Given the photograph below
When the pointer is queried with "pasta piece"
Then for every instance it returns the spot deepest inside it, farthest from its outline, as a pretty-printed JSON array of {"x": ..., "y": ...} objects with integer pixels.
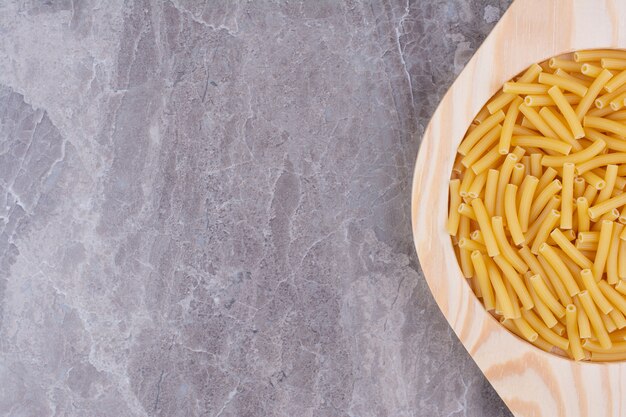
[
  {"x": 544, "y": 231},
  {"x": 570, "y": 249},
  {"x": 535, "y": 266},
  {"x": 618, "y": 102},
  {"x": 535, "y": 165},
  {"x": 464, "y": 255},
  {"x": 567, "y": 111},
  {"x": 618, "y": 318},
  {"x": 477, "y": 185},
  {"x": 546, "y": 296},
  {"x": 595, "y": 320},
  {"x": 471, "y": 245},
  {"x": 612, "y": 260},
  {"x": 473, "y": 137},
  {"x": 579, "y": 187},
  {"x": 572, "y": 333},
  {"x": 467, "y": 211},
  {"x": 621, "y": 287},
  {"x": 558, "y": 285},
  {"x": 594, "y": 55},
  {"x": 505, "y": 98},
  {"x": 616, "y": 82},
  {"x": 608, "y": 322},
  {"x": 567, "y": 195},
  {"x": 537, "y": 120},
  {"x": 565, "y": 83},
  {"x": 483, "y": 280},
  {"x": 612, "y": 203},
  {"x": 519, "y": 170},
  {"x": 603, "y": 249},
  {"x": 539, "y": 100},
  {"x": 525, "y": 329},
  {"x": 487, "y": 161},
  {"x": 533, "y": 228},
  {"x": 543, "y": 197},
  {"x": 510, "y": 211},
  {"x": 592, "y": 92},
  {"x": 542, "y": 142},
  {"x": 590, "y": 70},
  {"x": 544, "y": 331},
  {"x": 621, "y": 262},
  {"x": 610, "y": 177},
  {"x": 455, "y": 200},
  {"x": 584, "y": 328},
  {"x": 507, "y": 126},
  {"x": 605, "y": 125},
  {"x": 524, "y": 88},
  {"x": 490, "y": 191},
  {"x": 505, "y": 248},
  {"x": 565, "y": 64},
  {"x": 613, "y": 296},
  {"x": 559, "y": 128},
  {"x": 503, "y": 179},
  {"x": 544, "y": 312},
  {"x": 481, "y": 146},
  {"x": 500, "y": 290},
  {"x": 481, "y": 116},
  {"x": 575, "y": 158},
  {"x": 593, "y": 180},
  {"x": 485, "y": 226},
  {"x": 546, "y": 178},
  {"x": 527, "y": 192},
  {"x": 589, "y": 237},
  {"x": 516, "y": 282},
  {"x": 613, "y": 63},
  {"x": 590, "y": 285},
  {"x": 561, "y": 269}
]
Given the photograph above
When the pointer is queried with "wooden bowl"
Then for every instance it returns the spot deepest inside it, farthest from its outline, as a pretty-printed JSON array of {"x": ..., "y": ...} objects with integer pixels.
[{"x": 530, "y": 381}]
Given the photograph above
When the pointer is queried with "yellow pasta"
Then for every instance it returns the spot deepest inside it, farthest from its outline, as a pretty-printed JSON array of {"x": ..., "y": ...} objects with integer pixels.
[
  {"x": 575, "y": 158},
  {"x": 503, "y": 179},
  {"x": 559, "y": 128},
  {"x": 516, "y": 282},
  {"x": 455, "y": 199},
  {"x": 571, "y": 251},
  {"x": 612, "y": 275},
  {"x": 485, "y": 225},
  {"x": 482, "y": 146},
  {"x": 610, "y": 176},
  {"x": 491, "y": 191},
  {"x": 564, "y": 83},
  {"x": 590, "y": 285},
  {"x": 605, "y": 125},
  {"x": 595, "y": 320},
  {"x": 505, "y": 248},
  {"x": 567, "y": 195},
  {"x": 537, "y": 205},
  {"x": 567, "y": 111},
  {"x": 603, "y": 249},
  {"x": 546, "y": 296},
  {"x": 561, "y": 269},
  {"x": 592, "y": 92},
  {"x": 507, "y": 126},
  {"x": 584, "y": 328},
  {"x": 534, "y": 117},
  {"x": 613, "y": 63},
  {"x": 510, "y": 210},
  {"x": 572, "y": 333},
  {"x": 480, "y": 270},
  {"x": 474, "y": 136},
  {"x": 527, "y": 192}
]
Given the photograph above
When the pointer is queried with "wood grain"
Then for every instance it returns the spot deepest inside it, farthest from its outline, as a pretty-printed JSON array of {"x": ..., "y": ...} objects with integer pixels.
[{"x": 530, "y": 381}]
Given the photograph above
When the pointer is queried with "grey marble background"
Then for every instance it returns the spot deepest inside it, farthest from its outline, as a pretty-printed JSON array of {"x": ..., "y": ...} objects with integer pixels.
[{"x": 204, "y": 208}]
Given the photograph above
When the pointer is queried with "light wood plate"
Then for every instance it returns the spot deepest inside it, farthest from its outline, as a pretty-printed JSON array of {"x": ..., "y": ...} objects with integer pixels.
[{"x": 531, "y": 382}]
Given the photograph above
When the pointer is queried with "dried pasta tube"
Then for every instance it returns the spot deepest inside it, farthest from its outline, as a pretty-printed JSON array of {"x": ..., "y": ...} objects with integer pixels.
[
  {"x": 483, "y": 280},
  {"x": 572, "y": 332},
  {"x": 595, "y": 320},
  {"x": 603, "y": 249},
  {"x": 510, "y": 211},
  {"x": 567, "y": 195}
]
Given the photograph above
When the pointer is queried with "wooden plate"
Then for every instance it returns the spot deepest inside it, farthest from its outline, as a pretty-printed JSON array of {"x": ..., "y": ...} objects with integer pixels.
[{"x": 531, "y": 382}]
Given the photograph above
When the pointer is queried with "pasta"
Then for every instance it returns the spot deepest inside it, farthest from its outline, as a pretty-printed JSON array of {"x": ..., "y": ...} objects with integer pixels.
[{"x": 537, "y": 205}]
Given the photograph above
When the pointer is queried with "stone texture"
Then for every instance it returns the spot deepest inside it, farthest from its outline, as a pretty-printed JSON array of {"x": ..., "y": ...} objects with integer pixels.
[{"x": 205, "y": 208}]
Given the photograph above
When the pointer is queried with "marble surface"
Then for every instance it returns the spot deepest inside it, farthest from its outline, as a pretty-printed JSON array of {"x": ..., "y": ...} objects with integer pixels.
[{"x": 205, "y": 208}]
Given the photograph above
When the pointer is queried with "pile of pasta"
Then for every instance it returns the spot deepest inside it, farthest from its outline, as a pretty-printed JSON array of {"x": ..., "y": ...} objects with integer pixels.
[{"x": 538, "y": 205}]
